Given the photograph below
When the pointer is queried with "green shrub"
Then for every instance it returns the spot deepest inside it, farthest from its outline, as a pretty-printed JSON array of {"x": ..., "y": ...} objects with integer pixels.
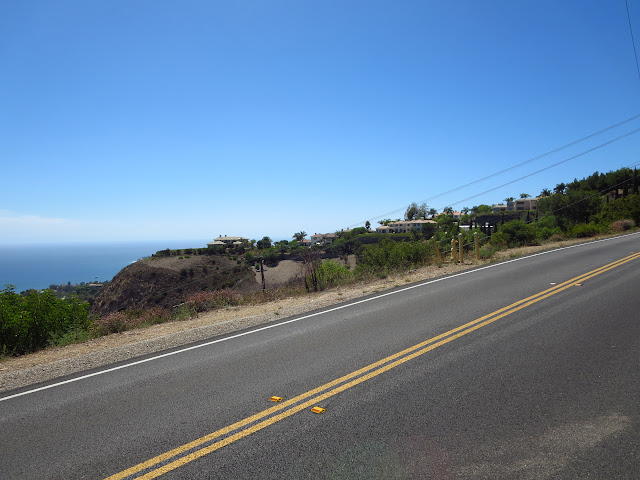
[
  {"x": 331, "y": 274},
  {"x": 584, "y": 230},
  {"x": 515, "y": 233},
  {"x": 487, "y": 251},
  {"x": 76, "y": 335},
  {"x": 622, "y": 209},
  {"x": 544, "y": 233},
  {"x": 31, "y": 322},
  {"x": 389, "y": 255}
]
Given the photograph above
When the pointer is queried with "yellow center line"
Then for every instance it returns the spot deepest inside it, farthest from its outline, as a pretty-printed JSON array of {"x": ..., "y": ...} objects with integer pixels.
[{"x": 373, "y": 370}]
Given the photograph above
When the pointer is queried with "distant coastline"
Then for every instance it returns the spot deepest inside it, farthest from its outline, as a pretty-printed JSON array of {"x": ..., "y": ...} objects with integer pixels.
[{"x": 40, "y": 265}]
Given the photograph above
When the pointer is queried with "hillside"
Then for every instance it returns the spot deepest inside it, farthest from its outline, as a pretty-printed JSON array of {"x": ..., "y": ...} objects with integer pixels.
[{"x": 167, "y": 281}]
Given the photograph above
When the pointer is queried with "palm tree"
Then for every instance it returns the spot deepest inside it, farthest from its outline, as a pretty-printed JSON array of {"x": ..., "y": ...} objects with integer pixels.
[
  {"x": 299, "y": 236},
  {"x": 433, "y": 212},
  {"x": 560, "y": 188},
  {"x": 509, "y": 199},
  {"x": 545, "y": 192},
  {"x": 525, "y": 195},
  {"x": 447, "y": 210}
]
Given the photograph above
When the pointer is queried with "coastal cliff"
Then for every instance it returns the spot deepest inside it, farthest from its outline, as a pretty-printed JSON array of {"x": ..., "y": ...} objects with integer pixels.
[{"x": 167, "y": 281}]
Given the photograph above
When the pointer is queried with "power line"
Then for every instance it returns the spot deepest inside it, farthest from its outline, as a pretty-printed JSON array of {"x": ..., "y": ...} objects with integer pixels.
[
  {"x": 555, "y": 150},
  {"x": 552, "y": 166},
  {"x": 596, "y": 194},
  {"x": 534, "y": 158},
  {"x": 633, "y": 42},
  {"x": 599, "y": 193}
]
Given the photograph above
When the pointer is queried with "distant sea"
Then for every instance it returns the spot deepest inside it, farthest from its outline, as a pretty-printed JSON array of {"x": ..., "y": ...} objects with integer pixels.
[{"x": 38, "y": 266}]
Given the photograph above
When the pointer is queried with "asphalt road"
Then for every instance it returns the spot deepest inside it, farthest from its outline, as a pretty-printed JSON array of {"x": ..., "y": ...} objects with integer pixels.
[{"x": 546, "y": 388}]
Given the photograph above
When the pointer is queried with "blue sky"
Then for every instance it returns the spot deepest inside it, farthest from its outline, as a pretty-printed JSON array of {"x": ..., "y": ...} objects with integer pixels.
[{"x": 162, "y": 120}]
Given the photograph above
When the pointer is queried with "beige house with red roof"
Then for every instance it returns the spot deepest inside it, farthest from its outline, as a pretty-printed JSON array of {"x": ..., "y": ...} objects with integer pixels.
[
  {"x": 404, "y": 226},
  {"x": 323, "y": 238},
  {"x": 224, "y": 242}
]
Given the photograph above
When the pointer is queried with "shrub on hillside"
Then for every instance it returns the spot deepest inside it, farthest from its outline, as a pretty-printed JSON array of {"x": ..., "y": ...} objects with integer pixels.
[
  {"x": 331, "y": 274},
  {"x": 30, "y": 322},
  {"x": 487, "y": 251},
  {"x": 622, "y": 209},
  {"x": 546, "y": 227},
  {"x": 545, "y": 233},
  {"x": 622, "y": 225},
  {"x": 203, "y": 301},
  {"x": 557, "y": 237},
  {"x": 117, "y": 322},
  {"x": 393, "y": 256},
  {"x": 515, "y": 233},
  {"x": 584, "y": 230}
]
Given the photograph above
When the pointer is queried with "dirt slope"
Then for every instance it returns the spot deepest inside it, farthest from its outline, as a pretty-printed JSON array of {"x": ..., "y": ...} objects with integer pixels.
[{"x": 165, "y": 282}]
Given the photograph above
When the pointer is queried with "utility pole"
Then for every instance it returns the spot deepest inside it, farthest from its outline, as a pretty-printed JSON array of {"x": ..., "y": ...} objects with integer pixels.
[{"x": 264, "y": 285}]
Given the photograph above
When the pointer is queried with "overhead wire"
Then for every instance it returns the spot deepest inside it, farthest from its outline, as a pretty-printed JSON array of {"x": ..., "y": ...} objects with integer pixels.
[
  {"x": 546, "y": 154},
  {"x": 598, "y": 193},
  {"x": 633, "y": 42},
  {"x": 551, "y": 166}
]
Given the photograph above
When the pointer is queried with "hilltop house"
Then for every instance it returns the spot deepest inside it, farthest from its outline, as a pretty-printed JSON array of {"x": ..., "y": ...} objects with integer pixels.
[
  {"x": 223, "y": 242},
  {"x": 500, "y": 207},
  {"x": 323, "y": 238},
  {"x": 516, "y": 205},
  {"x": 526, "y": 203},
  {"x": 404, "y": 226}
]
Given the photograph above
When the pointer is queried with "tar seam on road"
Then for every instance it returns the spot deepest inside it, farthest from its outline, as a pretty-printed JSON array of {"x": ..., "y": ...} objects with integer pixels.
[
  {"x": 207, "y": 444},
  {"x": 297, "y": 319}
]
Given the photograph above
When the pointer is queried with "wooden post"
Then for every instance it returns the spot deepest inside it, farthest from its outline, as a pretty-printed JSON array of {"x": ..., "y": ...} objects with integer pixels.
[
  {"x": 461, "y": 248},
  {"x": 264, "y": 285},
  {"x": 454, "y": 256}
]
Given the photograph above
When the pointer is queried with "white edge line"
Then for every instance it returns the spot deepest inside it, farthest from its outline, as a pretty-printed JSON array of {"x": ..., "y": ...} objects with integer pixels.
[{"x": 194, "y": 347}]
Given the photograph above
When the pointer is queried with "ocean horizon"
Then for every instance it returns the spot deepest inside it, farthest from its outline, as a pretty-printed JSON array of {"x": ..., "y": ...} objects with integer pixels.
[{"x": 38, "y": 266}]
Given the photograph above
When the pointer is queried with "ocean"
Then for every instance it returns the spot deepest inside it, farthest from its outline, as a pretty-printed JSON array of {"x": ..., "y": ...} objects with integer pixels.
[{"x": 38, "y": 266}]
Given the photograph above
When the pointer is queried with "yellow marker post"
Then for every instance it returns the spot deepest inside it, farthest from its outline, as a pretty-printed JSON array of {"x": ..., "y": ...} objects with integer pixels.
[
  {"x": 461, "y": 248},
  {"x": 477, "y": 243},
  {"x": 435, "y": 249}
]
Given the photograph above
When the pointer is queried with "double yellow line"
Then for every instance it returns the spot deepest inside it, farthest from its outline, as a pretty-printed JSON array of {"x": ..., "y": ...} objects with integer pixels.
[{"x": 202, "y": 446}]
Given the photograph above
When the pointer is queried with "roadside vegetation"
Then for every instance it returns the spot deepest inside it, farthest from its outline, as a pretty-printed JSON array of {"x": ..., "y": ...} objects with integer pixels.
[{"x": 599, "y": 204}]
